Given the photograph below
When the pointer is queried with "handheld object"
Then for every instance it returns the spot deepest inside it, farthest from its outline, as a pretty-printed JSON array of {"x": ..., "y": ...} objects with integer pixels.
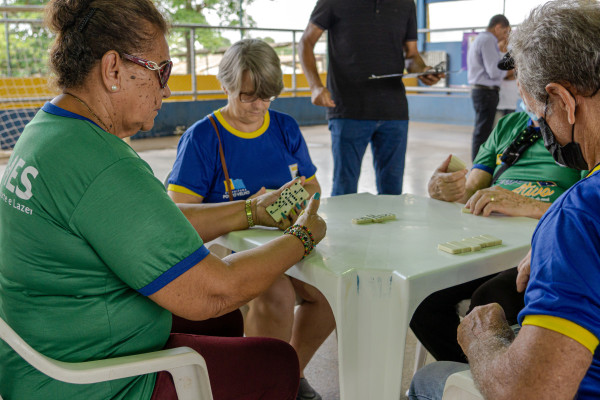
[
  {"x": 288, "y": 199},
  {"x": 438, "y": 69},
  {"x": 456, "y": 164}
]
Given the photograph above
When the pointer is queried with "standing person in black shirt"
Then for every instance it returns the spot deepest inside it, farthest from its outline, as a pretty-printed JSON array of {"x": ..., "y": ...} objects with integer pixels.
[{"x": 365, "y": 37}]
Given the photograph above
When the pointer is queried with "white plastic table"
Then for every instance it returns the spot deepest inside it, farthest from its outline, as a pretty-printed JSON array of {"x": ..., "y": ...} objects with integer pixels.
[{"x": 374, "y": 276}]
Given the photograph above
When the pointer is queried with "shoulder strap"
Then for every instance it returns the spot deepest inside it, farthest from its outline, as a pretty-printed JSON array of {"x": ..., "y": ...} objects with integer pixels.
[
  {"x": 227, "y": 180},
  {"x": 516, "y": 149}
]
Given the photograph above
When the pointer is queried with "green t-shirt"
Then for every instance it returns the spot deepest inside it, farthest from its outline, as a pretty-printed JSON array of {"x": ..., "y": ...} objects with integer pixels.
[
  {"x": 535, "y": 174},
  {"x": 87, "y": 232}
]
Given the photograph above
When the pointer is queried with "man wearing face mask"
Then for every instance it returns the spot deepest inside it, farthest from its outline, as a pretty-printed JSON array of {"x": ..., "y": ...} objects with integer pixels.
[
  {"x": 555, "y": 355},
  {"x": 569, "y": 155}
]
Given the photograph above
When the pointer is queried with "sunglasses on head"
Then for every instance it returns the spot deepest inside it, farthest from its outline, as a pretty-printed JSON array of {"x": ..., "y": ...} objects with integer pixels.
[{"x": 163, "y": 70}]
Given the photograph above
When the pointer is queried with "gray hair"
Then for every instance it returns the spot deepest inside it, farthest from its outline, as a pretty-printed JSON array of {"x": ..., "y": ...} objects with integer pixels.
[
  {"x": 86, "y": 30},
  {"x": 261, "y": 62},
  {"x": 558, "y": 43}
]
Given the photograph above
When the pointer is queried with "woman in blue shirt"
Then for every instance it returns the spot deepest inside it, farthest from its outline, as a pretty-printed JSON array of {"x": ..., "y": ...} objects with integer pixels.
[{"x": 262, "y": 149}]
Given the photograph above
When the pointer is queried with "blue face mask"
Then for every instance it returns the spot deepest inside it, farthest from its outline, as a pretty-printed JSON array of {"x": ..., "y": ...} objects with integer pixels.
[{"x": 523, "y": 107}]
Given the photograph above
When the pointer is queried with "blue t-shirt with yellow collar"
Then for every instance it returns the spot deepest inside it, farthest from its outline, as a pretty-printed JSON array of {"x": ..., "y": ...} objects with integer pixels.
[
  {"x": 562, "y": 294},
  {"x": 271, "y": 156}
]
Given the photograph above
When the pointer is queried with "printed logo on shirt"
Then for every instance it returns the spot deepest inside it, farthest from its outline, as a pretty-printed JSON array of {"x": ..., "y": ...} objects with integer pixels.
[
  {"x": 238, "y": 188},
  {"x": 540, "y": 190},
  {"x": 17, "y": 180},
  {"x": 293, "y": 170},
  {"x": 234, "y": 184}
]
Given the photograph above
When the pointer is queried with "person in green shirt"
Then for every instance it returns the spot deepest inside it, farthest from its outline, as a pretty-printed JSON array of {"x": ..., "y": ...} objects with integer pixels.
[
  {"x": 95, "y": 258},
  {"x": 526, "y": 189}
]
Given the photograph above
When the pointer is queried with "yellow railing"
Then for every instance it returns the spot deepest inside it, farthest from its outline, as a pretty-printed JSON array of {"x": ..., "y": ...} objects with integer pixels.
[{"x": 33, "y": 92}]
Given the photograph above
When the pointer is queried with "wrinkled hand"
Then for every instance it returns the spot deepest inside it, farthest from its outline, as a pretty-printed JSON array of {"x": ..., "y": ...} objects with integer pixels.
[
  {"x": 524, "y": 269},
  {"x": 312, "y": 221},
  {"x": 262, "y": 201},
  {"x": 482, "y": 323},
  {"x": 497, "y": 199},
  {"x": 447, "y": 186},
  {"x": 321, "y": 97}
]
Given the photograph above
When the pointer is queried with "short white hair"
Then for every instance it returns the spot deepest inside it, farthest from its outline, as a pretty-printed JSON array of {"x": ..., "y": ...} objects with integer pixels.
[
  {"x": 559, "y": 43},
  {"x": 261, "y": 62}
]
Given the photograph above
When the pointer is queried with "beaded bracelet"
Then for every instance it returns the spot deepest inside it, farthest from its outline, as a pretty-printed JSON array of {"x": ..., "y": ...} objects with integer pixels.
[{"x": 305, "y": 236}]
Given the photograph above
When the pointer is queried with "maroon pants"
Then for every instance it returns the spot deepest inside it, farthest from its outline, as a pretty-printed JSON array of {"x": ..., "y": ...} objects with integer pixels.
[{"x": 238, "y": 368}]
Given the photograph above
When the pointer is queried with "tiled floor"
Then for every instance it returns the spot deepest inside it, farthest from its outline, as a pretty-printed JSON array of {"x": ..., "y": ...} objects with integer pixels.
[{"x": 428, "y": 145}]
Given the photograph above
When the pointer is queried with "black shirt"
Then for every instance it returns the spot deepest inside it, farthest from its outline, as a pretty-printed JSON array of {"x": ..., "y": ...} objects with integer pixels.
[{"x": 366, "y": 37}]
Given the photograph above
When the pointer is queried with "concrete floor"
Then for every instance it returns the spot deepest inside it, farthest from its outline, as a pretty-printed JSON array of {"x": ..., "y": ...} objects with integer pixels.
[{"x": 428, "y": 145}]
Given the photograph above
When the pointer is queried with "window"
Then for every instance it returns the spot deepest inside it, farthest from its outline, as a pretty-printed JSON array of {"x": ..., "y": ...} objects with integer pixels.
[
  {"x": 460, "y": 14},
  {"x": 473, "y": 13}
]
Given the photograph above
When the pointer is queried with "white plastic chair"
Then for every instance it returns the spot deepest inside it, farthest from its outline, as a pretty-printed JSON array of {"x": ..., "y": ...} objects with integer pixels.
[
  {"x": 420, "y": 357},
  {"x": 187, "y": 367},
  {"x": 460, "y": 386}
]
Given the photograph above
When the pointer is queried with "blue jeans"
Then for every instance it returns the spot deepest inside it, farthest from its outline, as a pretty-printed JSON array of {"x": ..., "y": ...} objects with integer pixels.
[
  {"x": 428, "y": 383},
  {"x": 349, "y": 140}
]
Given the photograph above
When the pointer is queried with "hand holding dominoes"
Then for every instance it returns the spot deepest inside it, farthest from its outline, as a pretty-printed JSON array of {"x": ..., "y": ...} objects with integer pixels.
[
  {"x": 448, "y": 182},
  {"x": 474, "y": 243},
  {"x": 293, "y": 197},
  {"x": 265, "y": 200}
]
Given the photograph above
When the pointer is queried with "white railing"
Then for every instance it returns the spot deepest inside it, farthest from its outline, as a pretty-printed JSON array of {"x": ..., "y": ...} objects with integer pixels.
[{"x": 193, "y": 28}]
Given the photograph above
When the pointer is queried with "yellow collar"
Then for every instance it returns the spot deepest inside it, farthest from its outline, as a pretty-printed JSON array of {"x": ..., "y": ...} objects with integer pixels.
[
  {"x": 244, "y": 135},
  {"x": 596, "y": 168}
]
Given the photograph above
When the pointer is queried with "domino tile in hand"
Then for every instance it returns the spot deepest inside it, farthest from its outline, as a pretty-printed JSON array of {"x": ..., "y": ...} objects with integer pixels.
[{"x": 456, "y": 164}]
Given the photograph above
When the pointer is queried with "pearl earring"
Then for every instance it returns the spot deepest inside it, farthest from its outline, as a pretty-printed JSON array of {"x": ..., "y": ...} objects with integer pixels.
[{"x": 114, "y": 88}]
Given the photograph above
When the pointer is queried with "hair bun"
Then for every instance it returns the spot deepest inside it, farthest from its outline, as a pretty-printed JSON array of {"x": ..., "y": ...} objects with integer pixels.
[
  {"x": 87, "y": 29},
  {"x": 61, "y": 15}
]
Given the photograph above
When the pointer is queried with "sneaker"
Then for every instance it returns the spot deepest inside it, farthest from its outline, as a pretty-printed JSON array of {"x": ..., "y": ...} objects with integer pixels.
[{"x": 306, "y": 392}]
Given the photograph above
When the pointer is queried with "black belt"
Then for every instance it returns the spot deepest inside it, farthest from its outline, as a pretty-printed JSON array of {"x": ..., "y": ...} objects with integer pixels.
[{"x": 496, "y": 88}]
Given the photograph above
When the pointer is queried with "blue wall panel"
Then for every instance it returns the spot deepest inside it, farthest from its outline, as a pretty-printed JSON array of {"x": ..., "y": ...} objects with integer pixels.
[
  {"x": 446, "y": 109},
  {"x": 455, "y": 109},
  {"x": 454, "y": 51},
  {"x": 301, "y": 109},
  {"x": 185, "y": 113}
]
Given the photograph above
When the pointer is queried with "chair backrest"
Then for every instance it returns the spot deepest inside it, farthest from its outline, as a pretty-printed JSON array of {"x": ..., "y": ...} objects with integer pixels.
[
  {"x": 187, "y": 367},
  {"x": 166, "y": 181},
  {"x": 34, "y": 358},
  {"x": 460, "y": 386}
]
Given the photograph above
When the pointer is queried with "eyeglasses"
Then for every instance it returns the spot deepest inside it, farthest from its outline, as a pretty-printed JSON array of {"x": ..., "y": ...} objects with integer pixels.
[
  {"x": 163, "y": 70},
  {"x": 250, "y": 98}
]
